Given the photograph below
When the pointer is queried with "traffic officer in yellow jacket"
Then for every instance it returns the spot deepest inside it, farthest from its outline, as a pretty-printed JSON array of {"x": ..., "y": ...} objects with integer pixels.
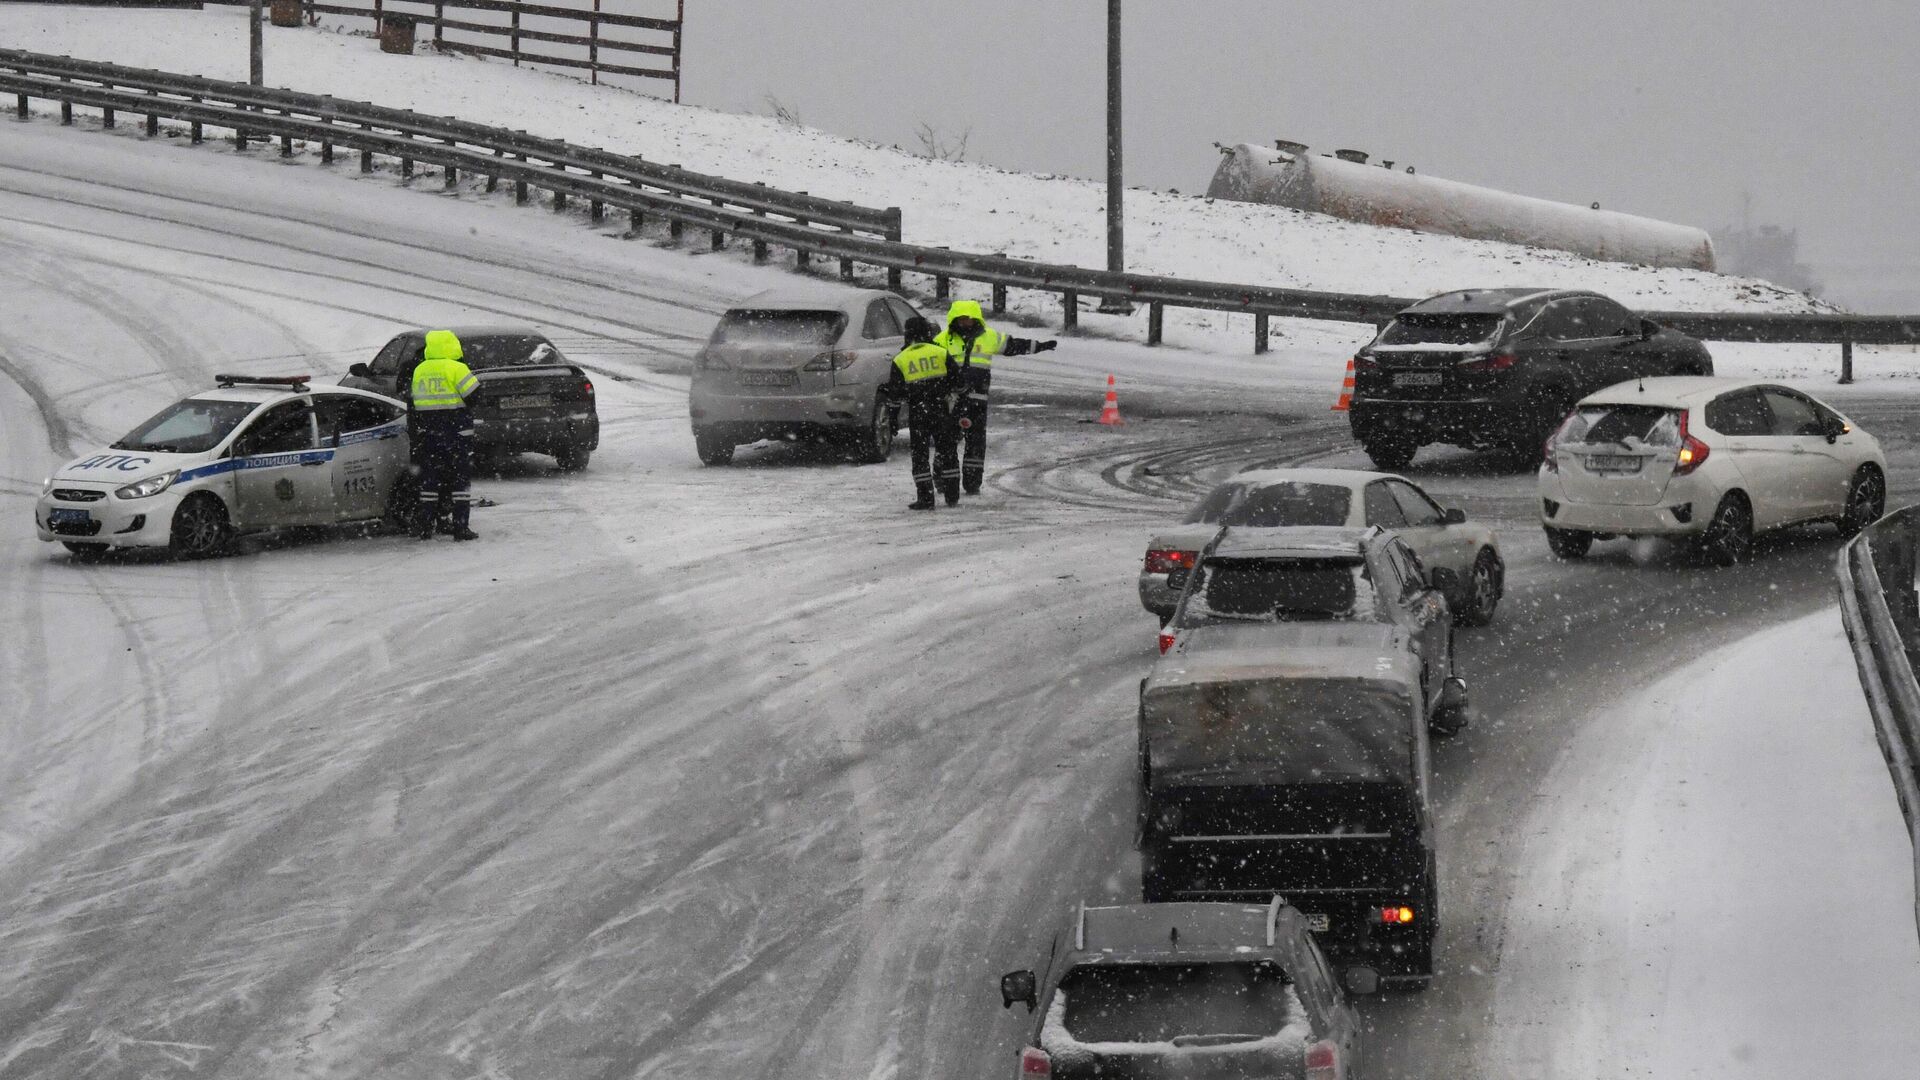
[
  {"x": 444, "y": 427},
  {"x": 923, "y": 379},
  {"x": 971, "y": 346}
]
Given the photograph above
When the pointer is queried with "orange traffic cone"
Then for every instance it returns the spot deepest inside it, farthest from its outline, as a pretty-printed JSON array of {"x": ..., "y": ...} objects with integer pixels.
[
  {"x": 1346, "y": 390},
  {"x": 1110, "y": 409}
]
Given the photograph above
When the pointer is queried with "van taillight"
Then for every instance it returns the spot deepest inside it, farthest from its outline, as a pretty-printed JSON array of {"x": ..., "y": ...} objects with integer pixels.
[
  {"x": 1035, "y": 1062},
  {"x": 1692, "y": 450},
  {"x": 1397, "y": 915},
  {"x": 1168, "y": 560},
  {"x": 1323, "y": 1061},
  {"x": 1166, "y": 641}
]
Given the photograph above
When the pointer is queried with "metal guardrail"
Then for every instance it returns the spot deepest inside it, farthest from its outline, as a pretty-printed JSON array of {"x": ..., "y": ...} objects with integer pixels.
[
  {"x": 1882, "y": 616},
  {"x": 726, "y": 208}
]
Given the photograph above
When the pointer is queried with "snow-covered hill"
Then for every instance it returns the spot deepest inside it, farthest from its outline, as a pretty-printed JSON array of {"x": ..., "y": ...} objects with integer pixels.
[{"x": 958, "y": 204}]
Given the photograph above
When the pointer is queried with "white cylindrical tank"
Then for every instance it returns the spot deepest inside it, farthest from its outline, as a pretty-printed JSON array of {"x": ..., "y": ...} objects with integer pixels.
[{"x": 1381, "y": 196}]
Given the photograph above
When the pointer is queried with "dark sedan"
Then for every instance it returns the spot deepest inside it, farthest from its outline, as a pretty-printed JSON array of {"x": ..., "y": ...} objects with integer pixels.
[{"x": 1500, "y": 368}]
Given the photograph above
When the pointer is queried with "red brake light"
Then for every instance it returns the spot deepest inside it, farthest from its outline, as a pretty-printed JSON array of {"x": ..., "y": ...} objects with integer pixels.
[
  {"x": 1496, "y": 362},
  {"x": 1167, "y": 560},
  {"x": 1323, "y": 1060},
  {"x": 1692, "y": 450},
  {"x": 1396, "y": 916},
  {"x": 1035, "y": 1062},
  {"x": 1166, "y": 641},
  {"x": 587, "y": 385}
]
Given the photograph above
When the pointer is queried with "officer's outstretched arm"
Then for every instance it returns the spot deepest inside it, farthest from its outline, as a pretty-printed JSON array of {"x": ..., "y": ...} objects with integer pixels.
[{"x": 1020, "y": 346}]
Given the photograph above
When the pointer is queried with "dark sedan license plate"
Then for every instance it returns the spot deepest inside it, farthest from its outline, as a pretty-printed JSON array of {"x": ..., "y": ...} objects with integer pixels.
[
  {"x": 769, "y": 378},
  {"x": 1318, "y": 923},
  {"x": 68, "y": 517},
  {"x": 1613, "y": 463},
  {"x": 526, "y": 401},
  {"x": 1417, "y": 378}
]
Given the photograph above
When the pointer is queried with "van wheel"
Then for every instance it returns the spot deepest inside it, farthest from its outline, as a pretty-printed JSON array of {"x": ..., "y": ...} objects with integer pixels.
[
  {"x": 1729, "y": 536},
  {"x": 713, "y": 449},
  {"x": 1866, "y": 501},
  {"x": 1568, "y": 543},
  {"x": 573, "y": 458},
  {"x": 200, "y": 527}
]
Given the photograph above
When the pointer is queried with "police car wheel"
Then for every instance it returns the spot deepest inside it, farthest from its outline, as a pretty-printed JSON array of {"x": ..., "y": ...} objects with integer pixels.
[{"x": 200, "y": 527}]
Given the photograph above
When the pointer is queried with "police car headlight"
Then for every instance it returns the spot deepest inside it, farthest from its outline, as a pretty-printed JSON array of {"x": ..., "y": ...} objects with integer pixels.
[
  {"x": 46, "y": 487},
  {"x": 152, "y": 485}
]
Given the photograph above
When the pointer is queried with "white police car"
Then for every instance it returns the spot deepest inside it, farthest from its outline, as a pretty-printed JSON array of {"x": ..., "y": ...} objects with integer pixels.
[{"x": 250, "y": 455}]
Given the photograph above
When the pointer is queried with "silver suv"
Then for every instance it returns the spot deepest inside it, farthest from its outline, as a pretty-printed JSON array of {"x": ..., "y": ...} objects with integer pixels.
[{"x": 803, "y": 363}]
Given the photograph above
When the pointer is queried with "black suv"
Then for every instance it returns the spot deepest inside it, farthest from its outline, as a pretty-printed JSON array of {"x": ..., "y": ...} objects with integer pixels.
[
  {"x": 529, "y": 398},
  {"x": 1500, "y": 368}
]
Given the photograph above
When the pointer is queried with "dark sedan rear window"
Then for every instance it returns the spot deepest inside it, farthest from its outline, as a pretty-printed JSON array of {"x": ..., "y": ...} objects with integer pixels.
[
  {"x": 1156, "y": 1003},
  {"x": 1433, "y": 328},
  {"x": 1268, "y": 505},
  {"x": 508, "y": 351},
  {"x": 1279, "y": 590},
  {"x": 743, "y": 326}
]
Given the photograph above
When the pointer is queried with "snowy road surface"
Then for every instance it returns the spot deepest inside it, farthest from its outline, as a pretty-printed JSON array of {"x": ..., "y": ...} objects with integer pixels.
[{"x": 736, "y": 772}]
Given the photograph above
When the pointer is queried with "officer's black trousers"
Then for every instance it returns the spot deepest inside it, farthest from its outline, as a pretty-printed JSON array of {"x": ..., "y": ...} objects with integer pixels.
[
  {"x": 446, "y": 467},
  {"x": 932, "y": 430},
  {"x": 973, "y": 460}
]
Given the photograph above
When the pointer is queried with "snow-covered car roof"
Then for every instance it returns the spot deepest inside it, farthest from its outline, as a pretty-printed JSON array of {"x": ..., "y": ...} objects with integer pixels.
[
  {"x": 1142, "y": 929},
  {"x": 263, "y": 394},
  {"x": 1668, "y": 391},
  {"x": 805, "y": 298},
  {"x": 1344, "y": 649},
  {"x": 1489, "y": 301},
  {"x": 1289, "y": 541},
  {"x": 1351, "y": 479}
]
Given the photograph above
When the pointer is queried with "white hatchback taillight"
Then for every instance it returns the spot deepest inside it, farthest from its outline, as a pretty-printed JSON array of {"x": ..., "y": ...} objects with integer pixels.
[
  {"x": 1323, "y": 1061},
  {"x": 1035, "y": 1062},
  {"x": 1692, "y": 450}
]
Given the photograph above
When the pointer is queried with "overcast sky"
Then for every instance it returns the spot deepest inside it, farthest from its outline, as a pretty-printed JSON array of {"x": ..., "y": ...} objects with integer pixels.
[{"x": 1669, "y": 108}]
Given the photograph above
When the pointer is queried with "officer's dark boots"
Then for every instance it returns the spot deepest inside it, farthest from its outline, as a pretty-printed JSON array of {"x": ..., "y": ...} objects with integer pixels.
[
  {"x": 925, "y": 499},
  {"x": 951, "y": 489}
]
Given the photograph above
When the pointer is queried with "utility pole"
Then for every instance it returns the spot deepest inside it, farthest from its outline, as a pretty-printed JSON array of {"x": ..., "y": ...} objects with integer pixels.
[
  {"x": 256, "y": 73},
  {"x": 1116, "y": 228}
]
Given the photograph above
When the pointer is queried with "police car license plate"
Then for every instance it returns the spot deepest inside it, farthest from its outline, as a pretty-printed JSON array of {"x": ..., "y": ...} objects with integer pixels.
[
  {"x": 526, "y": 401},
  {"x": 68, "y": 517},
  {"x": 1613, "y": 463},
  {"x": 1318, "y": 923},
  {"x": 1417, "y": 378},
  {"x": 769, "y": 378}
]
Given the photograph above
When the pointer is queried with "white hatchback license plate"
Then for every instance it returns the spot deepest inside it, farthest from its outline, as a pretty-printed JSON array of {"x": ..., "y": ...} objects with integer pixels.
[
  {"x": 1318, "y": 923},
  {"x": 1613, "y": 463},
  {"x": 769, "y": 378},
  {"x": 1417, "y": 378},
  {"x": 526, "y": 401}
]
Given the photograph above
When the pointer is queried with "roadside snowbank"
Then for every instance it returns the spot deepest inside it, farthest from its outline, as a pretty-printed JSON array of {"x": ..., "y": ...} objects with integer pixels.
[{"x": 1717, "y": 883}]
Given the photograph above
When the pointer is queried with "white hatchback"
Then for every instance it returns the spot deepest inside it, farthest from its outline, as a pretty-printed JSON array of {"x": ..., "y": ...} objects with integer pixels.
[
  {"x": 1714, "y": 460},
  {"x": 250, "y": 455}
]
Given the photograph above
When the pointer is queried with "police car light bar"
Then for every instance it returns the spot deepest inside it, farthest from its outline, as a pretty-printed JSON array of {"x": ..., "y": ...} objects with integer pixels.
[{"x": 297, "y": 382}]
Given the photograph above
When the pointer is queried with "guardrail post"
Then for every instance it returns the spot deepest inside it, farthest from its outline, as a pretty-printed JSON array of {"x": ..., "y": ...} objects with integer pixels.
[
  {"x": 675, "y": 229},
  {"x": 453, "y": 177},
  {"x": 1156, "y": 322},
  {"x": 893, "y": 278},
  {"x": 593, "y": 45},
  {"x": 1069, "y": 310},
  {"x": 1259, "y": 333},
  {"x": 559, "y": 200},
  {"x": 637, "y": 218},
  {"x": 66, "y": 112},
  {"x": 106, "y": 118},
  {"x": 493, "y": 179},
  {"x": 239, "y": 138},
  {"x": 153, "y": 124},
  {"x": 286, "y": 146},
  {"x": 516, "y": 37},
  {"x": 942, "y": 286},
  {"x": 893, "y": 224},
  {"x": 20, "y": 106},
  {"x": 366, "y": 161},
  {"x": 595, "y": 208},
  {"x": 846, "y": 269},
  {"x": 999, "y": 297},
  {"x": 1846, "y": 362},
  {"x": 719, "y": 240},
  {"x": 799, "y": 259},
  {"x": 759, "y": 251},
  {"x": 406, "y": 168},
  {"x": 520, "y": 192},
  {"x": 439, "y": 16},
  {"x": 194, "y": 132}
]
